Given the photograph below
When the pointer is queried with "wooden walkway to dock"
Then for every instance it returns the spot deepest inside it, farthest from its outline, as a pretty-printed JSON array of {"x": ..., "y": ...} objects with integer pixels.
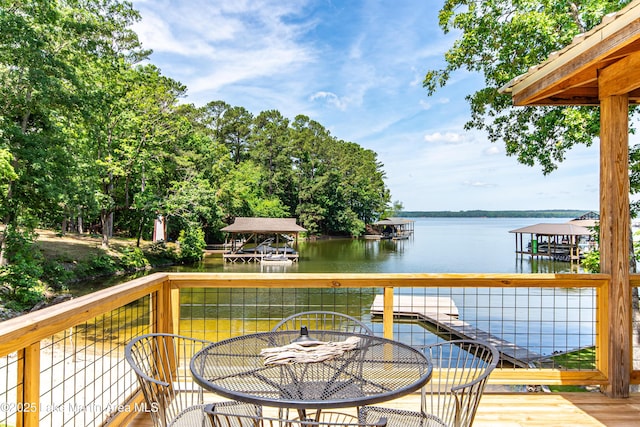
[{"x": 442, "y": 313}]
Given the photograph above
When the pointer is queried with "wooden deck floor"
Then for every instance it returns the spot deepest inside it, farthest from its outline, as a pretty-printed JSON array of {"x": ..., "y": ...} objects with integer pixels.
[{"x": 533, "y": 410}]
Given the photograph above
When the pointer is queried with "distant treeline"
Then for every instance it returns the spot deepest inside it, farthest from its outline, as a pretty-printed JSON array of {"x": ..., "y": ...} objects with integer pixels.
[{"x": 552, "y": 213}]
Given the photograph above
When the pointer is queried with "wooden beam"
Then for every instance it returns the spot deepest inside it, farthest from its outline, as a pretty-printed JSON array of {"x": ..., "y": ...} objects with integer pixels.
[
  {"x": 173, "y": 306},
  {"x": 617, "y": 36},
  {"x": 583, "y": 98},
  {"x": 621, "y": 77},
  {"x": 614, "y": 236},
  {"x": 28, "y": 389},
  {"x": 583, "y": 84},
  {"x": 387, "y": 314},
  {"x": 634, "y": 95}
]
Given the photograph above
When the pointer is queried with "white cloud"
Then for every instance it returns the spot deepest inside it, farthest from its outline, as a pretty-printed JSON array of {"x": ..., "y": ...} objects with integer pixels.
[
  {"x": 330, "y": 98},
  {"x": 447, "y": 137},
  {"x": 438, "y": 102},
  {"x": 223, "y": 43},
  {"x": 479, "y": 184},
  {"x": 492, "y": 150}
]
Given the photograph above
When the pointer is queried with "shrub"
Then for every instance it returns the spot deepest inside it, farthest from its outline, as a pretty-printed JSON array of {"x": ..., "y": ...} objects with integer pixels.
[
  {"x": 591, "y": 262},
  {"x": 55, "y": 275},
  {"x": 98, "y": 265},
  {"x": 22, "y": 288},
  {"x": 192, "y": 244},
  {"x": 159, "y": 253},
  {"x": 133, "y": 259}
]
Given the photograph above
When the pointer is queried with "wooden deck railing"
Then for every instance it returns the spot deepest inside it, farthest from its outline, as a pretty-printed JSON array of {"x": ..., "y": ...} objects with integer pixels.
[{"x": 30, "y": 345}]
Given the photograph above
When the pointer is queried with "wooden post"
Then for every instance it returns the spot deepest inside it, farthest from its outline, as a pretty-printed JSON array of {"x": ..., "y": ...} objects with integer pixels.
[
  {"x": 614, "y": 236},
  {"x": 28, "y": 397},
  {"x": 387, "y": 313},
  {"x": 174, "y": 305},
  {"x": 162, "y": 309}
]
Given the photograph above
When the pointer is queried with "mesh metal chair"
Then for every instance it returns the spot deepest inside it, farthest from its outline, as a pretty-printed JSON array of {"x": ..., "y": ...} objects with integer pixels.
[
  {"x": 327, "y": 419},
  {"x": 331, "y": 417},
  {"x": 323, "y": 321},
  {"x": 161, "y": 363},
  {"x": 461, "y": 370}
]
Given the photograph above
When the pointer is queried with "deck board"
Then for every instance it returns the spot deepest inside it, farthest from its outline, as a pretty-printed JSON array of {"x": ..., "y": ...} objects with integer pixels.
[{"x": 532, "y": 410}]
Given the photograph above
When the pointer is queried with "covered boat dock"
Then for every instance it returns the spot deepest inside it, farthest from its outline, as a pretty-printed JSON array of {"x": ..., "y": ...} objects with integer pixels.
[
  {"x": 561, "y": 242},
  {"x": 253, "y": 239},
  {"x": 393, "y": 229}
]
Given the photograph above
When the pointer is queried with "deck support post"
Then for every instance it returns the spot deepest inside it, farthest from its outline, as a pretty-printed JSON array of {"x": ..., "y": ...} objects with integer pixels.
[
  {"x": 387, "y": 313},
  {"x": 614, "y": 236}
]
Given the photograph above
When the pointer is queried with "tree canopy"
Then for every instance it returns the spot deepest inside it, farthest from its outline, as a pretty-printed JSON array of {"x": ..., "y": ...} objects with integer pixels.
[
  {"x": 501, "y": 39},
  {"x": 94, "y": 138},
  {"x": 87, "y": 130}
]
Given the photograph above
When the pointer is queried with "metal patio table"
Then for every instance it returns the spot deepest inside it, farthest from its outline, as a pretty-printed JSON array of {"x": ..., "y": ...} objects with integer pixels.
[{"x": 377, "y": 370}]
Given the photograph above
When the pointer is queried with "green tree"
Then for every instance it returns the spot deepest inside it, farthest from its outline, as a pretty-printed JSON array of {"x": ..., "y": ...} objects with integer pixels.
[
  {"x": 192, "y": 243},
  {"x": 212, "y": 119},
  {"x": 236, "y": 132},
  {"x": 362, "y": 186},
  {"x": 148, "y": 141},
  {"x": 48, "y": 52},
  {"x": 310, "y": 141},
  {"x": 501, "y": 40},
  {"x": 22, "y": 288},
  {"x": 271, "y": 149},
  {"x": 90, "y": 137},
  {"x": 393, "y": 210},
  {"x": 36, "y": 86}
]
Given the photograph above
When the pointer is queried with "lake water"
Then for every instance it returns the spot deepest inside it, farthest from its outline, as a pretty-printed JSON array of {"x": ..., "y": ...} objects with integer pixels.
[
  {"x": 543, "y": 320},
  {"x": 439, "y": 245}
]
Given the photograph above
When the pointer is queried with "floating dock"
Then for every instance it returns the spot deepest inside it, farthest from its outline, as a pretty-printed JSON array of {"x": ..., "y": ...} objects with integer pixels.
[
  {"x": 253, "y": 257},
  {"x": 442, "y": 313}
]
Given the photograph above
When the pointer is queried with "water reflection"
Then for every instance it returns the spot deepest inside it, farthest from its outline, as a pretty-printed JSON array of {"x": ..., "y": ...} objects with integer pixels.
[
  {"x": 546, "y": 320},
  {"x": 439, "y": 245}
]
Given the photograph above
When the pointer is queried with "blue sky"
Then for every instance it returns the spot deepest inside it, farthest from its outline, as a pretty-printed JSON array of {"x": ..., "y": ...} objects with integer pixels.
[{"x": 356, "y": 67}]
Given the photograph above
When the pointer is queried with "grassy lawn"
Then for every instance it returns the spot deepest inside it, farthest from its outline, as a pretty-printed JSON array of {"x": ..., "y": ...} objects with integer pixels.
[
  {"x": 576, "y": 360},
  {"x": 78, "y": 247}
]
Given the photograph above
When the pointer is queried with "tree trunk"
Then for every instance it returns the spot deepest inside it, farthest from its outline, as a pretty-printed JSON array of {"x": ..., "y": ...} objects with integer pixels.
[
  {"x": 140, "y": 227},
  {"x": 104, "y": 219},
  {"x": 65, "y": 222},
  {"x": 3, "y": 247},
  {"x": 80, "y": 226}
]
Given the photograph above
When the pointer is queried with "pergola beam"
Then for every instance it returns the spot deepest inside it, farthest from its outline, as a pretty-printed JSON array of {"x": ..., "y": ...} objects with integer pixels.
[{"x": 621, "y": 77}]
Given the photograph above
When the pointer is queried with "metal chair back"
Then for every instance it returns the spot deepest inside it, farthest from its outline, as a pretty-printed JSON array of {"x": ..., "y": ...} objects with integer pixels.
[
  {"x": 326, "y": 419},
  {"x": 323, "y": 321},
  {"x": 461, "y": 369},
  {"x": 161, "y": 363},
  {"x": 460, "y": 372}
]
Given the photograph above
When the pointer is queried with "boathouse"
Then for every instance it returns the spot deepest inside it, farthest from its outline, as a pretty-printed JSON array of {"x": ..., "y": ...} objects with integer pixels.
[
  {"x": 392, "y": 228},
  {"x": 560, "y": 242},
  {"x": 251, "y": 239}
]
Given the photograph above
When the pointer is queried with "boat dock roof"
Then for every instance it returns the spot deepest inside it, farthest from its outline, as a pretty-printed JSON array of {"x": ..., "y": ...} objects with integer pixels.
[
  {"x": 546, "y": 229},
  {"x": 263, "y": 225}
]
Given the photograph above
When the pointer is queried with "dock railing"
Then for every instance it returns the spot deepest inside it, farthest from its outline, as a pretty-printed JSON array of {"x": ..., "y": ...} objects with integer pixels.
[{"x": 64, "y": 365}]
